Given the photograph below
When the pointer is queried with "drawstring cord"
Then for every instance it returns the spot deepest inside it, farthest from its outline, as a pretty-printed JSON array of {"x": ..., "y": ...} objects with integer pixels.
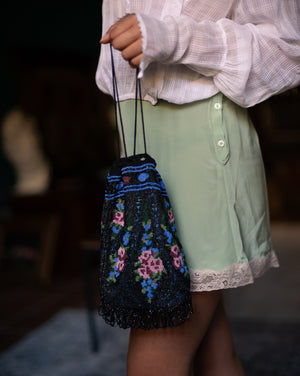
[{"x": 138, "y": 98}]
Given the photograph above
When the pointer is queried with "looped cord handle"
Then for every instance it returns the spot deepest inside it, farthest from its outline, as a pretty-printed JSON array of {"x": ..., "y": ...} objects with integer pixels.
[{"x": 138, "y": 98}]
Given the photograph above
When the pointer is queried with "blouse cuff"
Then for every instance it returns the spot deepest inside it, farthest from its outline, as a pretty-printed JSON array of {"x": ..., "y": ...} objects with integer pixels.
[
  {"x": 155, "y": 44},
  {"x": 202, "y": 46}
]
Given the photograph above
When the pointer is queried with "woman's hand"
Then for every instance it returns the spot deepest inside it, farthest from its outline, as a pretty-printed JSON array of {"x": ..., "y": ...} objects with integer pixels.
[{"x": 125, "y": 36}]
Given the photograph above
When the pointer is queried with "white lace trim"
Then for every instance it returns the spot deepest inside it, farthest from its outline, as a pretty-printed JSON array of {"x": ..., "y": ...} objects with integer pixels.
[{"x": 235, "y": 275}]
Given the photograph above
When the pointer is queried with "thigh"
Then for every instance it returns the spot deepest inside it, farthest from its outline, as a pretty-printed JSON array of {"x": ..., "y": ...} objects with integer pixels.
[{"x": 170, "y": 351}]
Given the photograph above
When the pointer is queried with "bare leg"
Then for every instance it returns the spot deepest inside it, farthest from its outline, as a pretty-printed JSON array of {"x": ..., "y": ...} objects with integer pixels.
[
  {"x": 216, "y": 355},
  {"x": 171, "y": 351}
]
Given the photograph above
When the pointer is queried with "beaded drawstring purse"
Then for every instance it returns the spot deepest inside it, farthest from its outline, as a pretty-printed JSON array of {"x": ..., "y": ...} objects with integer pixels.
[{"x": 144, "y": 280}]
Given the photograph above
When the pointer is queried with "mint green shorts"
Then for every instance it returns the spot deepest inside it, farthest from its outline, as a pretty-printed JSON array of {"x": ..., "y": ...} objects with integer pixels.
[{"x": 209, "y": 157}]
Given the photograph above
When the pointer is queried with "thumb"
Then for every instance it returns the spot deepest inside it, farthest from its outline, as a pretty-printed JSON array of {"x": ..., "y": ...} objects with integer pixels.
[{"x": 106, "y": 38}]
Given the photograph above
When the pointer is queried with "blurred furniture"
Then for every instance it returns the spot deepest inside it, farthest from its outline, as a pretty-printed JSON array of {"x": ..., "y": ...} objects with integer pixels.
[
  {"x": 90, "y": 253},
  {"x": 54, "y": 224},
  {"x": 30, "y": 243}
]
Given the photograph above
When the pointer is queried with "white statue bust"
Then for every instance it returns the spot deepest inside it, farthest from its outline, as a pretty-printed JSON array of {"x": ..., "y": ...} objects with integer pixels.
[{"x": 22, "y": 146}]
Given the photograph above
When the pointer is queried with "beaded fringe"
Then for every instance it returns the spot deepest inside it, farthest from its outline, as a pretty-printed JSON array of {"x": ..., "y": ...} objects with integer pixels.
[{"x": 146, "y": 319}]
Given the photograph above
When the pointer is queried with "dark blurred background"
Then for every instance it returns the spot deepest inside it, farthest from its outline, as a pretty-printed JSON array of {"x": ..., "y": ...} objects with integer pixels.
[
  {"x": 48, "y": 61},
  {"x": 49, "y": 55}
]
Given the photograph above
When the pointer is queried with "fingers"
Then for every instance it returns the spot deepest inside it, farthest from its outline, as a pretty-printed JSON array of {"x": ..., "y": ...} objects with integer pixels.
[
  {"x": 132, "y": 53},
  {"x": 136, "y": 61},
  {"x": 125, "y": 36},
  {"x": 127, "y": 24}
]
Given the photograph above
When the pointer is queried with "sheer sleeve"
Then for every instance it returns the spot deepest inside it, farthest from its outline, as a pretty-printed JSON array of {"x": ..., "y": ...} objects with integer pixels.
[{"x": 250, "y": 57}]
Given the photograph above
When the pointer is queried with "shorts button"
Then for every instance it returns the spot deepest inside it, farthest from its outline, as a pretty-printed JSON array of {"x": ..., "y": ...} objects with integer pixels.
[{"x": 221, "y": 143}]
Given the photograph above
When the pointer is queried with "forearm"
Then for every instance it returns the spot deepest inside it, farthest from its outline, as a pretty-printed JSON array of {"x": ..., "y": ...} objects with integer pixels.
[{"x": 247, "y": 62}]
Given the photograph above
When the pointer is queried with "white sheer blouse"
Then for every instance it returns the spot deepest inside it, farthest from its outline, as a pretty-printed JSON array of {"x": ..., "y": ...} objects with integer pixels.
[{"x": 192, "y": 49}]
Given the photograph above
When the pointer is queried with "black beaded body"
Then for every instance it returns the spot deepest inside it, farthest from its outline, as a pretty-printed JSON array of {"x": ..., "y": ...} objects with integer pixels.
[{"x": 144, "y": 279}]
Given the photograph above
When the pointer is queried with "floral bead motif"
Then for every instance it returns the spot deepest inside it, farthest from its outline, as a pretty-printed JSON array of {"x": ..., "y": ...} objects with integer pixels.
[
  {"x": 149, "y": 264},
  {"x": 118, "y": 217},
  {"x": 149, "y": 267},
  {"x": 122, "y": 256},
  {"x": 126, "y": 179},
  {"x": 171, "y": 216},
  {"x": 118, "y": 264},
  {"x": 118, "y": 258},
  {"x": 178, "y": 261}
]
